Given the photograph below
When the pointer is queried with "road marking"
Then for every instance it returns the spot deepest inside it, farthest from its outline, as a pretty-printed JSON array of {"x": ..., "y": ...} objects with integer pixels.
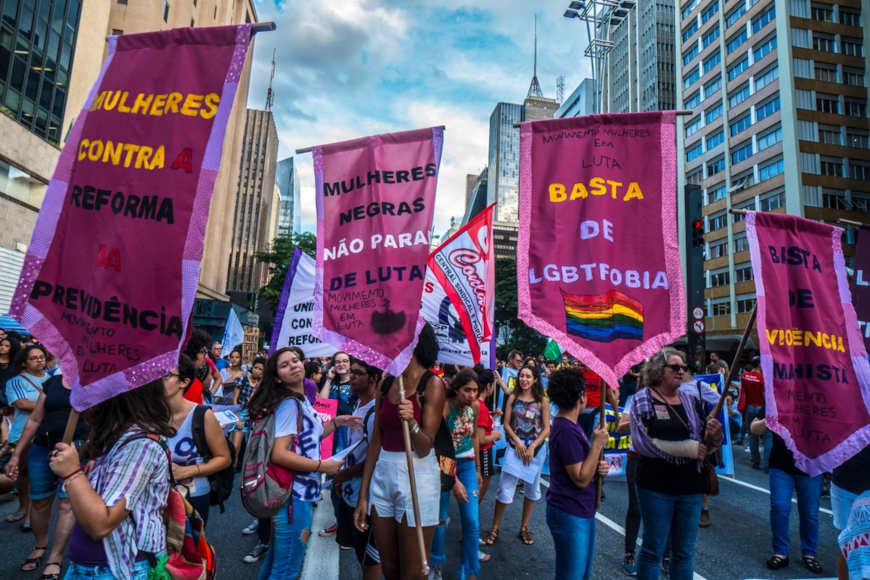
[
  {"x": 619, "y": 529},
  {"x": 767, "y": 491},
  {"x": 322, "y": 555}
]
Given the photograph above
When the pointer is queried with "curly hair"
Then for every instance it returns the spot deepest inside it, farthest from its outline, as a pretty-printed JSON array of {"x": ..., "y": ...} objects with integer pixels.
[
  {"x": 426, "y": 351},
  {"x": 271, "y": 391},
  {"x": 653, "y": 371},
  {"x": 537, "y": 387},
  {"x": 566, "y": 387},
  {"x": 372, "y": 371},
  {"x": 20, "y": 360}
]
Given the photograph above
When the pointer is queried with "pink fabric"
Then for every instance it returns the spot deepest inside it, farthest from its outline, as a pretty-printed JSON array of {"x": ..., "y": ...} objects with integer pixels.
[
  {"x": 557, "y": 269},
  {"x": 327, "y": 409},
  {"x": 375, "y": 202},
  {"x": 109, "y": 284},
  {"x": 817, "y": 387}
]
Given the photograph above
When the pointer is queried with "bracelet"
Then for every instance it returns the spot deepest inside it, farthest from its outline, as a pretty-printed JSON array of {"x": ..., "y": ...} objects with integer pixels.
[
  {"x": 70, "y": 478},
  {"x": 317, "y": 469},
  {"x": 79, "y": 470},
  {"x": 415, "y": 429}
]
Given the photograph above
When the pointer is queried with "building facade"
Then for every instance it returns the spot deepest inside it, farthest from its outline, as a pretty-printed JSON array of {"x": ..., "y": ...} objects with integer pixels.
[
  {"x": 475, "y": 198},
  {"x": 779, "y": 94},
  {"x": 252, "y": 229},
  {"x": 290, "y": 215},
  {"x": 580, "y": 102}
]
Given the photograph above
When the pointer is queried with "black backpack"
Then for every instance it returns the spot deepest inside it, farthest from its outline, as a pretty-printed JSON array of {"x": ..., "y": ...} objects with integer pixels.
[{"x": 221, "y": 482}]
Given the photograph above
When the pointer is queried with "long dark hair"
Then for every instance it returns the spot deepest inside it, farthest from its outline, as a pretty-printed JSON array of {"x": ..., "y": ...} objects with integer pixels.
[
  {"x": 537, "y": 387},
  {"x": 271, "y": 391},
  {"x": 14, "y": 347},
  {"x": 461, "y": 379},
  {"x": 145, "y": 407}
]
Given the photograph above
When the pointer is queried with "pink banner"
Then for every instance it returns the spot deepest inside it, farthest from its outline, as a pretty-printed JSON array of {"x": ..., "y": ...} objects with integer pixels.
[
  {"x": 464, "y": 265},
  {"x": 815, "y": 367},
  {"x": 375, "y": 202},
  {"x": 139, "y": 167},
  {"x": 598, "y": 265},
  {"x": 327, "y": 409}
]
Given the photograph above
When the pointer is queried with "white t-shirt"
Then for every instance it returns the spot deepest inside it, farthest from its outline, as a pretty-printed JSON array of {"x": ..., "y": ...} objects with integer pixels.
[
  {"x": 350, "y": 489},
  {"x": 306, "y": 486},
  {"x": 184, "y": 452}
]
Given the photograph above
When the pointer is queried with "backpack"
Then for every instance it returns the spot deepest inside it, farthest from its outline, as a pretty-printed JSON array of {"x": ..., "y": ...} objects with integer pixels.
[
  {"x": 221, "y": 483},
  {"x": 265, "y": 487},
  {"x": 189, "y": 556}
]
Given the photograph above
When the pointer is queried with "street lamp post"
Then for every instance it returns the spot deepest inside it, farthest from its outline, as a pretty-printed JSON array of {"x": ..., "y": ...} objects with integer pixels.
[{"x": 600, "y": 17}]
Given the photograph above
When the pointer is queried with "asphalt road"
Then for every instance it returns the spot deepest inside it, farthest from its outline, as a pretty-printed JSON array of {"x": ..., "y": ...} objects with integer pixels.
[{"x": 734, "y": 547}]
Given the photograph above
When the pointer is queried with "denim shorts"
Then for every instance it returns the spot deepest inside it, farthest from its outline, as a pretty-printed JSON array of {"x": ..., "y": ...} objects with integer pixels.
[
  {"x": 78, "y": 572},
  {"x": 43, "y": 482}
]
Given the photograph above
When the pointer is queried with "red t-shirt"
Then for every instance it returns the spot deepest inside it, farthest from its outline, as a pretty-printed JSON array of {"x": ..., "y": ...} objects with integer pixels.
[
  {"x": 752, "y": 385},
  {"x": 194, "y": 393},
  {"x": 485, "y": 420},
  {"x": 593, "y": 389}
]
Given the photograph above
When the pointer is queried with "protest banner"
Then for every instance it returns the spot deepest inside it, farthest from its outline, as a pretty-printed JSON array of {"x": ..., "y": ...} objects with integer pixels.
[
  {"x": 588, "y": 276},
  {"x": 465, "y": 267},
  {"x": 725, "y": 464},
  {"x": 139, "y": 166},
  {"x": 326, "y": 409},
  {"x": 295, "y": 313},
  {"x": 234, "y": 334},
  {"x": 861, "y": 284},
  {"x": 815, "y": 368},
  {"x": 375, "y": 202}
]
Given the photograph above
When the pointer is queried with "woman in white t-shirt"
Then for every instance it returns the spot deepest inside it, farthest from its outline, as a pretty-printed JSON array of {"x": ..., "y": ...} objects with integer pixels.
[{"x": 296, "y": 448}]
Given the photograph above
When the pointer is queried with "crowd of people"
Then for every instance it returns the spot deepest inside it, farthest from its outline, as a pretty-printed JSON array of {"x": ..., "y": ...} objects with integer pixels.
[{"x": 111, "y": 481}]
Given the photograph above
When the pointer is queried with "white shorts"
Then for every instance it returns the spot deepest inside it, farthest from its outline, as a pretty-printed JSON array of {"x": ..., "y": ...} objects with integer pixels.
[
  {"x": 507, "y": 487},
  {"x": 841, "y": 505},
  {"x": 390, "y": 489}
]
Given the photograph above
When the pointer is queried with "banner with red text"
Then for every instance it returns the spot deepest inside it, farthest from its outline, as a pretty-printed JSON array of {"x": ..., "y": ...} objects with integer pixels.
[
  {"x": 375, "y": 202},
  {"x": 109, "y": 279},
  {"x": 465, "y": 267},
  {"x": 598, "y": 265},
  {"x": 816, "y": 373},
  {"x": 861, "y": 284}
]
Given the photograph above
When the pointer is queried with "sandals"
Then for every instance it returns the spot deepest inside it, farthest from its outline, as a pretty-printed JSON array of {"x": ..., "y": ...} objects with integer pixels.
[
  {"x": 56, "y": 576},
  {"x": 813, "y": 565},
  {"x": 15, "y": 517},
  {"x": 31, "y": 564},
  {"x": 526, "y": 536},
  {"x": 491, "y": 537},
  {"x": 26, "y": 527},
  {"x": 483, "y": 556},
  {"x": 776, "y": 562}
]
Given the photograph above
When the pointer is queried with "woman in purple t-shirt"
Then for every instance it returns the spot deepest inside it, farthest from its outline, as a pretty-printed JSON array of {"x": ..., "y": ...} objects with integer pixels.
[{"x": 573, "y": 467}]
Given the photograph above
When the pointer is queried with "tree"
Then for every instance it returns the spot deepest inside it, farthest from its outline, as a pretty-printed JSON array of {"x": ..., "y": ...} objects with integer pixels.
[
  {"x": 279, "y": 258},
  {"x": 522, "y": 338}
]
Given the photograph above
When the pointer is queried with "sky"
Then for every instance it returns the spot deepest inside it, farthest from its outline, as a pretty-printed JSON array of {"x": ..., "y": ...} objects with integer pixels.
[{"x": 362, "y": 67}]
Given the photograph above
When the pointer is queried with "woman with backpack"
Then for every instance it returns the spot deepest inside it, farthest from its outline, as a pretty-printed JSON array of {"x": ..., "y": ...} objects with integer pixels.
[
  {"x": 385, "y": 484},
  {"x": 190, "y": 467},
  {"x": 296, "y": 448},
  {"x": 119, "y": 504}
]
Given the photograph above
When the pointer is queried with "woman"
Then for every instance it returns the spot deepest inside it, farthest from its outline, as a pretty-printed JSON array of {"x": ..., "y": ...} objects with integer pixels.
[
  {"x": 385, "y": 484},
  {"x": 337, "y": 387},
  {"x": 574, "y": 465},
  {"x": 233, "y": 377},
  {"x": 486, "y": 435},
  {"x": 282, "y": 392},
  {"x": 526, "y": 426},
  {"x": 118, "y": 505},
  {"x": 669, "y": 435},
  {"x": 461, "y": 411},
  {"x": 313, "y": 379},
  {"x": 8, "y": 349},
  {"x": 785, "y": 478},
  {"x": 22, "y": 392},
  {"x": 189, "y": 468}
]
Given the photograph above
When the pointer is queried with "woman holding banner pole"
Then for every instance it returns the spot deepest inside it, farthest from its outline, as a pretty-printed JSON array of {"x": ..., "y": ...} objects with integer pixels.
[
  {"x": 667, "y": 432},
  {"x": 386, "y": 483}
]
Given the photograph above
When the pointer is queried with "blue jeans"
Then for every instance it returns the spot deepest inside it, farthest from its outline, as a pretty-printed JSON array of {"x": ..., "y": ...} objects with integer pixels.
[
  {"x": 283, "y": 561},
  {"x": 757, "y": 459},
  {"x": 78, "y": 572},
  {"x": 674, "y": 516},
  {"x": 574, "y": 540},
  {"x": 809, "y": 489},
  {"x": 469, "y": 565}
]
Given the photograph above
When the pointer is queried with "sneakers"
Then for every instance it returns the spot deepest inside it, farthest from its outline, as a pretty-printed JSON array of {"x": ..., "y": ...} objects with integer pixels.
[
  {"x": 251, "y": 529},
  {"x": 435, "y": 573},
  {"x": 629, "y": 566},
  {"x": 328, "y": 531},
  {"x": 705, "y": 519},
  {"x": 255, "y": 554}
]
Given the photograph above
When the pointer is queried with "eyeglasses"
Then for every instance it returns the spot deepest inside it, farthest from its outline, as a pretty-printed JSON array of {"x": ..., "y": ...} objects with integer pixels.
[
  {"x": 342, "y": 361},
  {"x": 678, "y": 368},
  {"x": 171, "y": 375}
]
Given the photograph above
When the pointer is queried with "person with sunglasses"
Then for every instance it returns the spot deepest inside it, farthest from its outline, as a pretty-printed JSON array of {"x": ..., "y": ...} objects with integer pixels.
[{"x": 671, "y": 437}]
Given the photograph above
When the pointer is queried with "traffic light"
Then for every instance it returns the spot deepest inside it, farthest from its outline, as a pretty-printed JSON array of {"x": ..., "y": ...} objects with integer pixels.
[{"x": 697, "y": 233}]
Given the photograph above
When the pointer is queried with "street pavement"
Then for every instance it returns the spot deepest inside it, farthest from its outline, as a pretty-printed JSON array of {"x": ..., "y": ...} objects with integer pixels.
[{"x": 734, "y": 547}]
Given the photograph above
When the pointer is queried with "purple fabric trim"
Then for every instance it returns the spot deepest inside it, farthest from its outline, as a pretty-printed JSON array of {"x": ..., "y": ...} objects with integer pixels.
[
  {"x": 673, "y": 264},
  {"x": 282, "y": 302}
]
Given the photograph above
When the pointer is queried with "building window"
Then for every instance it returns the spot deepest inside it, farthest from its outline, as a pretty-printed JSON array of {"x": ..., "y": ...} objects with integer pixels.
[
  {"x": 714, "y": 139},
  {"x": 693, "y": 127},
  {"x": 831, "y": 167},
  {"x": 771, "y": 201},
  {"x": 735, "y": 41},
  {"x": 719, "y": 248},
  {"x": 737, "y": 68},
  {"x": 850, "y": 16},
  {"x": 853, "y": 76},
  {"x": 741, "y": 153},
  {"x": 690, "y": 30},
  {"x": 712, "y": 86},
  {"x": 694, "y": 152},
  {"x": 740, "y": 124},
  {"x": 695, "y": 177},
  {"x": 717, "y": 221},
  {"x": 716, "y": 192},
  {"x": 860, "y": 202},
  {"x": 855, "y": 107},
  {"x": 856, "y": 138},
  {"x": 691, "y": 54},
  {"x": 766, "y": 46},
  {"x": 122, "y": 1},
  {"x": 827, "y": 103},
  {"x": 117, "y": 32},
  {"x": 824, "y": 42},
  {"x": 165, "y": 10},
  {"x": 709, "y": 11},
  {"x": 692, "y": 78},
  {"x": 767, "y": 108},
  {"x": 687, "y": 9},
  {"x": 743, "y": 273},
  {"x": 710, "y": 36},
  {"x": 712, "y": 113},
  {"x": 770, "y": 137},
  {"x": 767, "y": 77},
  {"x": 762, "y": 19},
  {"x": 735, "y": 14},
  {"x": 739, "y": 95},
  {"x": 711, "y": 61},
  {"x": 719, "y": 278},
  {"x": 829, "y": 134},
  {"x": 859, "y": 170},
  {"x": 714, "y": 167},
  {"x": 721, "y": 308},
  {"x": 770, "y": 170},
  {"x": 694, "y": 100},
  {"x": 834, "y": 199},
  {"x": 825, "y": 72},
  {"x": 851, "y": 46},
  {"x": 745, "y": 305},
  {"x": 823, "y": 12}
]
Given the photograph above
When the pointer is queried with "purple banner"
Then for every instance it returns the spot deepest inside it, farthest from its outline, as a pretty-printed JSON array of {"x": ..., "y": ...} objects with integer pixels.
[
  {"x": 109, "y": 280},
  {"x": 861, "y": 284}
]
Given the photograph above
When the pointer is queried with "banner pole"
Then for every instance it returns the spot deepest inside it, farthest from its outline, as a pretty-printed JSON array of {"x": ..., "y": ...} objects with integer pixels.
[
  {"x": 602, "y": 419},
  {"x": 71, "y": 424},
  {"x": 749, "y": 324},
  {"x": 406, "y": 434}
]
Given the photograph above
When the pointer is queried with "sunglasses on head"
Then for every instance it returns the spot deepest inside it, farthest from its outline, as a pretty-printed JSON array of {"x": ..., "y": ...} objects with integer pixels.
[{"x": 677, "y": 368}]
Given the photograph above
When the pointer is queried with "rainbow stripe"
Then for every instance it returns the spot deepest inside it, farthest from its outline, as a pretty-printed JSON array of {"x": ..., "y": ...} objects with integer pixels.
[{"x": 603, "y": 318}]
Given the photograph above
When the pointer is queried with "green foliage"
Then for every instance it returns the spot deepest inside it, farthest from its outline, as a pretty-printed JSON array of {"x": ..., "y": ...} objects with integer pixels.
[
  {"x": 523, "y": 338},
  {"x": 279, "y": 258}
]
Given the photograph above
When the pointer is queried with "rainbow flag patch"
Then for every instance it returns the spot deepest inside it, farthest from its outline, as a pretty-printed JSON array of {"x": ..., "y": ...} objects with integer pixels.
[{"x": 603, "y": 318}]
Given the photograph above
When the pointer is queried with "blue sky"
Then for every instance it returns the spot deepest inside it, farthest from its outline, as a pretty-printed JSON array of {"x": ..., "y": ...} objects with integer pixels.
[{"x": 359, "y": 67}]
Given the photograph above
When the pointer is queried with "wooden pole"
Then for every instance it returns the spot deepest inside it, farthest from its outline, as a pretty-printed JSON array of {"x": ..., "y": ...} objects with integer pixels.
[
  {"x": 749, "y": 324},
  {"x": 602, "y": 420},
  {"x": 406, "y": 434},
  {"x": 71, "y": 423}
]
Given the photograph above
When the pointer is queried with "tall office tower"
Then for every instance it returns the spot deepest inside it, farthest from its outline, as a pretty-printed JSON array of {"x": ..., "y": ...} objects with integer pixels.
[
  {"x": 779, "y": 94},
  {"x": 290, "y": 215},
  {"x": 475, "y": 201},
  {"x": 251, "y": 218},
  {"x": 504, "y": 160},
  {"x": 578, "y": 103}
]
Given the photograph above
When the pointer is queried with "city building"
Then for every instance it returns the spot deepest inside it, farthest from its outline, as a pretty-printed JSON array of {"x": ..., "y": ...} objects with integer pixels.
[
  {"x": 253, "y": 229},
  {"x": 779, "y": 93},
  {"x": 290, "y": 215},
  {"x": 504, "y": 240},
  {"x": 475, "y": 197},
  {"x": 580, "y": 102}
]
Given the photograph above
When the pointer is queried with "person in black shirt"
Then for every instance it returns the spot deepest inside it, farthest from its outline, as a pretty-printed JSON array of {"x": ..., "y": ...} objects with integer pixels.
[{"x": 784, "y": 479}]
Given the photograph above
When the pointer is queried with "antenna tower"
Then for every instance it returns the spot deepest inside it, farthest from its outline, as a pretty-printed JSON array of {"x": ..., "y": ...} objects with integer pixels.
[
  {"x": 270, "y": 96},
  {"x": 535, "y": 87},
  {"x": 560, "y": 88}
]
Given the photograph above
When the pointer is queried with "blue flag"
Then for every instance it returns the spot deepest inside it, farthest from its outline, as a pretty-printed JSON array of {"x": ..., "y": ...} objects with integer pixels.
[{"x": 234, "y": 334}]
